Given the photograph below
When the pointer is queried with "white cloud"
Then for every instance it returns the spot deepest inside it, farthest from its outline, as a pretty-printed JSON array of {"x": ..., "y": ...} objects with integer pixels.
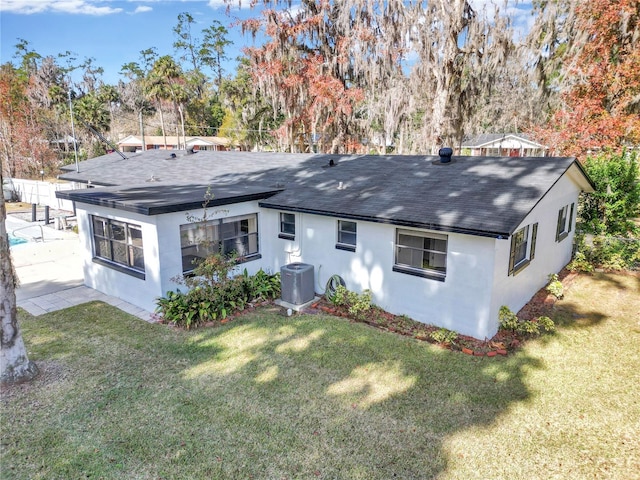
[
  {"x": 518, "y": 11},
  {"x": 23, "y": 6},
  {"x": 82, "y": 7},
  {"x": 230, "y": 5},
  {"x": 142, "y": 9}
]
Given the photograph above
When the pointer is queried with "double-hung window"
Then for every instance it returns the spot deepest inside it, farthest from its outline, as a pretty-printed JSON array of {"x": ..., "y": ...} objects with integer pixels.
[
  {"x": 565, "y": 219},
  {"x": 421, "y": 253},
  {"x": 347, "y": 235},
  {"x": 225, "y": 236},
  {"x": 118, "y": 244},
  {"x": 523, "y": 248},
  {"x": 287, "y": 226}
]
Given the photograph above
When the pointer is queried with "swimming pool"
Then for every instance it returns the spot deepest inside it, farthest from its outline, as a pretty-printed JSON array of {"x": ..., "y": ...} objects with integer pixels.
[{"x": 16, "y": 240}]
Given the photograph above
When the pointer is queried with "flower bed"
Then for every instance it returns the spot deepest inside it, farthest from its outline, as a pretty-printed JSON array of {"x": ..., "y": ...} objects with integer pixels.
[{"x": 503, "y": 342}]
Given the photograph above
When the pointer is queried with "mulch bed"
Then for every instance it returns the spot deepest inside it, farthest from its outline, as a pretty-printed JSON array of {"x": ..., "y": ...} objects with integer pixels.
[{"x": 541, "y": 304}]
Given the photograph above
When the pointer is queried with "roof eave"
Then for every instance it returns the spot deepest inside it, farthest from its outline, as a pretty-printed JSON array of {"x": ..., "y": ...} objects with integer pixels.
[
  {"x": 576, "y": 173},
  {"x": 579, "y": 175},
  {"x": 116, "y": 204}
]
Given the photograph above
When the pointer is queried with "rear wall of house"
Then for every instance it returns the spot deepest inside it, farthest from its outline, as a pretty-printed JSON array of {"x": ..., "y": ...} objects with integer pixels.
[{"x": 461, "y": 302}]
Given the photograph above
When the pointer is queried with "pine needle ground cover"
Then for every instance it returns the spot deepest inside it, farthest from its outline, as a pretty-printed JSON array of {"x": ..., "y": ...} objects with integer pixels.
[{"x": 314, "y": 396}]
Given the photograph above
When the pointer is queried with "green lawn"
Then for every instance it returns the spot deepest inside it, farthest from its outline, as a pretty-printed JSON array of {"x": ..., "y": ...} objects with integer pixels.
[{"x": 271, "y": 397}]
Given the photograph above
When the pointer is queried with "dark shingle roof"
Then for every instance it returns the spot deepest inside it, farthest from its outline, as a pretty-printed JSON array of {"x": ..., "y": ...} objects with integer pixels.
[
  {"x": 475, "y": 195},
  {"x": 472, "y": 194},
  {"x": 156, "y": 199},
  {"x": 199, "y": 168}
]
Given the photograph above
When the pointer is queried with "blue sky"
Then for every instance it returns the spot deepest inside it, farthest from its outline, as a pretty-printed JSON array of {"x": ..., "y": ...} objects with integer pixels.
[{"x": 113, "y": 32}]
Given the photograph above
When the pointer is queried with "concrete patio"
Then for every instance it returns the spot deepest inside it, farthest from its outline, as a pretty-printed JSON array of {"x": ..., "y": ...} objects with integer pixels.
[{"x": 49, "y": 267}]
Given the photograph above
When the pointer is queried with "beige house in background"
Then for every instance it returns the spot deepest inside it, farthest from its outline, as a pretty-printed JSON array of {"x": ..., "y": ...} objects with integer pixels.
[
  {"x": 502, "y": 145},
  {"x": 133, "y": 143}
]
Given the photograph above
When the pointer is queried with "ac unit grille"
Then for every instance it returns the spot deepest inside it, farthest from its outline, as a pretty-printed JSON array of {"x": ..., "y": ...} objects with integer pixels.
[{"x": 296, "y": 281}]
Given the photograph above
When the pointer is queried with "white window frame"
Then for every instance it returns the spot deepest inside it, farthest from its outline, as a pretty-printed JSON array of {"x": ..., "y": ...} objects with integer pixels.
[
  {"x": 344, "y": 234},
  {"x": 523, "y": 248},
  {"x": 565, "y": 221},
  {"x": 124, "y": 254},
  {"x": 436, "y": 264},
  {"x": 287, "y": 225},
  {"x": 201, "y": 239}
]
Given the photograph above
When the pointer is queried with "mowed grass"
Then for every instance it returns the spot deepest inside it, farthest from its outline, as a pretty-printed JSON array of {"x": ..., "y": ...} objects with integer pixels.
[{"x": 271, "y": 397}]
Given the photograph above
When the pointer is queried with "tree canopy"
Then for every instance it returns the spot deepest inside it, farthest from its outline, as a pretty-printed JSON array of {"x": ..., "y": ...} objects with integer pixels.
[
  {"x": 355, "y": 76},
  {"x": 597, "y": 75}
]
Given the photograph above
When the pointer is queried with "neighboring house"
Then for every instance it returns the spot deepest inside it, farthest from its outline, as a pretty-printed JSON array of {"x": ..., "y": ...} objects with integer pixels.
[
  {"x": 502, "y": 145},
  {"x": 64, "y": 143},
  {"x": 444, "y": 243},
  {"x": 133, "y": 143}
]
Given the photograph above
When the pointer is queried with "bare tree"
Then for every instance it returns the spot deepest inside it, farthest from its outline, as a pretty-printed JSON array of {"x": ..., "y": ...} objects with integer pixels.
[
  {"x": 461, "y": 54},
  {"x": 408, "y": 72}
]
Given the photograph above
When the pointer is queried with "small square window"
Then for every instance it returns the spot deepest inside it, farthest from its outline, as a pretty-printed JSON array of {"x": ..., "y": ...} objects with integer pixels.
[
  {"x": 287, "y": 226},
  {"x": 347, "y": 235},
  {"x": 421, "y": 253}
]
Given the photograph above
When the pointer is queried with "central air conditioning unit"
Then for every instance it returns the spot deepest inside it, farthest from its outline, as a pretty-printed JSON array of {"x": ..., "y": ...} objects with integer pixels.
[{"x": 296, "y": 282}]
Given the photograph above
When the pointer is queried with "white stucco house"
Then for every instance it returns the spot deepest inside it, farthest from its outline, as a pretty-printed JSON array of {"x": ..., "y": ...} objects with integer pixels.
[
  {"x": 444, "y": 243},
  {"x": 502, "y": 145},
  {"x": 134, "y": 143}
]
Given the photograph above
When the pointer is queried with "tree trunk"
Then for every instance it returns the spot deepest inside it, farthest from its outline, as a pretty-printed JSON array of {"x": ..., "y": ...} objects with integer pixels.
[
  {"x": 164, "y": 132},
  {"x": 14, "y": 363},
  {"x": 184, "y": 137}
]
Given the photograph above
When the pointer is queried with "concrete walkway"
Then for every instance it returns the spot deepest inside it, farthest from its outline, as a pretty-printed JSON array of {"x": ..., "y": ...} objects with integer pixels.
[{"x": 49, "y": 267}]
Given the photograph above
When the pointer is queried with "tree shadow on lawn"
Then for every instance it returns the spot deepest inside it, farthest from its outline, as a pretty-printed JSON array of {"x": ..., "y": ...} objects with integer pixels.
[
  {"x": 599, "y": 297},
  {"x": 355, "y": 402},
  {"x": 614, "y": 279},
  {"x": 603, "y": 295},
  {"x": 571, "y": 315},
  {"x": 266, "y": 396},
  {"x": 349, "y": 401}
]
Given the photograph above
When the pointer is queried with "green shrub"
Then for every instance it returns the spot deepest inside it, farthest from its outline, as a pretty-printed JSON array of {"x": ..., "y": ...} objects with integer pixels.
[
  {"x": 580, "y": 264},
  {"x": 614, "y": 253},
  {"x": 214, "y": 294},
  {"x": 616, "y": 201},
  {"x": 262, "y": 285},
  {"x": 608, "y": 252},
  {"x": 356, "y": 304},
  {"x": 509, "y": 321},
  {"x": 555, "y": 287},
  {"x": 444, "y": 336},
  {"x": 360, "y": 304},
  {"x": 546, "y": 324},
  {"x": 340, "y": 296},
  {"x": 176, "y": 308}
]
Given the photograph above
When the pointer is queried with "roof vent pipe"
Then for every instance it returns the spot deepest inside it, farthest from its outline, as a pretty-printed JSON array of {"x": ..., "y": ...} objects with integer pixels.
[{"x": 445, "y": 155}]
